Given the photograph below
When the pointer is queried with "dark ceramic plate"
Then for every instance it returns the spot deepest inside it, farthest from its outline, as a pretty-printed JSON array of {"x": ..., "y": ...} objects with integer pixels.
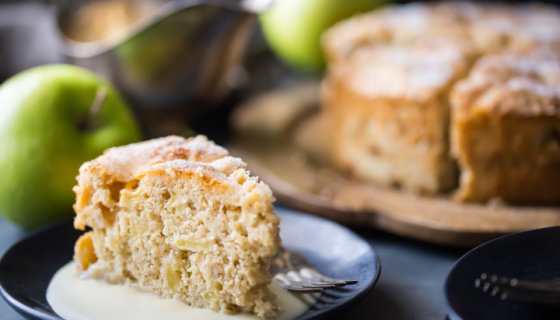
[
  {"x": 531, "y": 255},
  {"x": 26, "y": 268}
]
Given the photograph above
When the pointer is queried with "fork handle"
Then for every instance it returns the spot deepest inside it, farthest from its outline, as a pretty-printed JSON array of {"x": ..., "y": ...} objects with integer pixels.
[{"x": 522, "y": 294}]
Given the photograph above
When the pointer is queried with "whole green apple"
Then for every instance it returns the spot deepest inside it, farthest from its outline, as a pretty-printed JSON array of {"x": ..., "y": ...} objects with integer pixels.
[
  {"x": 52, "y": 119},
  {"x": 293, "y": 28}
]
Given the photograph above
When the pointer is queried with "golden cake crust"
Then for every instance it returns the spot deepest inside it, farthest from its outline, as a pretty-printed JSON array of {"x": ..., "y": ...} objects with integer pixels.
[
  {"x": 504, "y": 83},
  {"x": 126, "y": 162}
]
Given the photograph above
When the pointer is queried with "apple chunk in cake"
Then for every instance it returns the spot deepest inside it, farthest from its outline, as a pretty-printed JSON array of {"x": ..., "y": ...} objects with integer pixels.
[
  {"x": 388, "y": 113},
  {"x": 181, "y": 219},
  {"x": 506, "y": 129}
]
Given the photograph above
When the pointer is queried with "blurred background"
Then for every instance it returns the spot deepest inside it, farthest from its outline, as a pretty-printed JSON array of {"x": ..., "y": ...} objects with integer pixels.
[
  {"x": 30, "y": 35},
  {"x": 175, "y": 70},
  {"x": 186, "y": 72}
]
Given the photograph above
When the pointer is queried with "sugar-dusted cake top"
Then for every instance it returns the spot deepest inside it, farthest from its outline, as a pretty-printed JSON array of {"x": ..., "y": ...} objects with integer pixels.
[
  {"x": 407, "y": 71},
  {"x": 126, "y": 162},
  {"x": 519, "y": 28},
  {"x": 396, "y": 24},
  {"x": 483, "y": 27},
  {"x": 511, "y": 83}
]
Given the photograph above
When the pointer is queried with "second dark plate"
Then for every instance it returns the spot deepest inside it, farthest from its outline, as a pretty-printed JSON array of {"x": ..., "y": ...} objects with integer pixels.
[{"x": 530, "y": 255}]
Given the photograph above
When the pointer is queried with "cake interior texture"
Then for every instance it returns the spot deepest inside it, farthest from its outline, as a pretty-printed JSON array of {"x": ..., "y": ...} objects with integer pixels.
[
  {"x": 179, "y": 218},
  {"x": 387, "y": 97}
]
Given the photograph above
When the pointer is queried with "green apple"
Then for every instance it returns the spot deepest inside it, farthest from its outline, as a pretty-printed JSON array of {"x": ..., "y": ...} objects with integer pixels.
[
  {"x": 52, "y": 119},
  {"x": 293, "y": 28}
]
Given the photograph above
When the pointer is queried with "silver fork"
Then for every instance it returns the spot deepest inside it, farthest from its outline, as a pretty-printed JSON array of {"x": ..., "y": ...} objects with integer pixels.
[
  {"x": 292, "y": 272},
  {"x": 504, "y": 288}
]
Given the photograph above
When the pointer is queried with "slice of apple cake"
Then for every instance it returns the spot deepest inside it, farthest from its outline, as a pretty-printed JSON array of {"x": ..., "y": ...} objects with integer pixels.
[
  {"x": 179, "y": 218},
  {"x": 506, "y": 129}
]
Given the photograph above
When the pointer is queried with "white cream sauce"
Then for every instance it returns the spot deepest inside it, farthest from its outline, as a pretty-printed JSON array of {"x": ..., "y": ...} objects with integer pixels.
[{"x": 75, "y": 298}]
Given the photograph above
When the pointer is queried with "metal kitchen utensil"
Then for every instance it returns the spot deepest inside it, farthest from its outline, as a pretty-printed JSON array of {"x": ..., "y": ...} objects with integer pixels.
[
  {"x": 512, "y": 289},
  {"x": 182, "y": 54},
  {"x": 292, "y": 272}
]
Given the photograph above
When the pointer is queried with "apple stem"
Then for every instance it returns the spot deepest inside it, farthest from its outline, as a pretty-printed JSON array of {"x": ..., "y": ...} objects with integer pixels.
[
  {"x": 88, "y": 122},
  {"x": 100, "y": 97}
]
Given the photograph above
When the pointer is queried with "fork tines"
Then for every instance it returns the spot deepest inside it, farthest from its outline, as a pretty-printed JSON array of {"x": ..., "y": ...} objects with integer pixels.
[
  {"x": 308, "y": 280},
  {"x": 313, "y": 275},
  {"x": 505, "y": 288},
  {"x": 290, "y": 285},
  {"x": 293, "y": 273}
]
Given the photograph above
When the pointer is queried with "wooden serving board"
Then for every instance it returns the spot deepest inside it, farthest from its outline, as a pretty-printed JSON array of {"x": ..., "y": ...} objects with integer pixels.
[{"x": 279, "y": 134}]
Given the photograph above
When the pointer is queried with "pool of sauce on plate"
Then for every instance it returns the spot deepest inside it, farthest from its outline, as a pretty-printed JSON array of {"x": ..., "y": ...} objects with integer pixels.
[{"x": 76, "y": 298}]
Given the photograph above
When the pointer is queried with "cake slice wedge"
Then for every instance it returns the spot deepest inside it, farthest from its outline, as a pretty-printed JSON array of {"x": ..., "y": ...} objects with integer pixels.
[
  {"x": 388, "y": 115},
  {"x": 179, "y": 218},
  {"x": 506, "y": 129}
]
